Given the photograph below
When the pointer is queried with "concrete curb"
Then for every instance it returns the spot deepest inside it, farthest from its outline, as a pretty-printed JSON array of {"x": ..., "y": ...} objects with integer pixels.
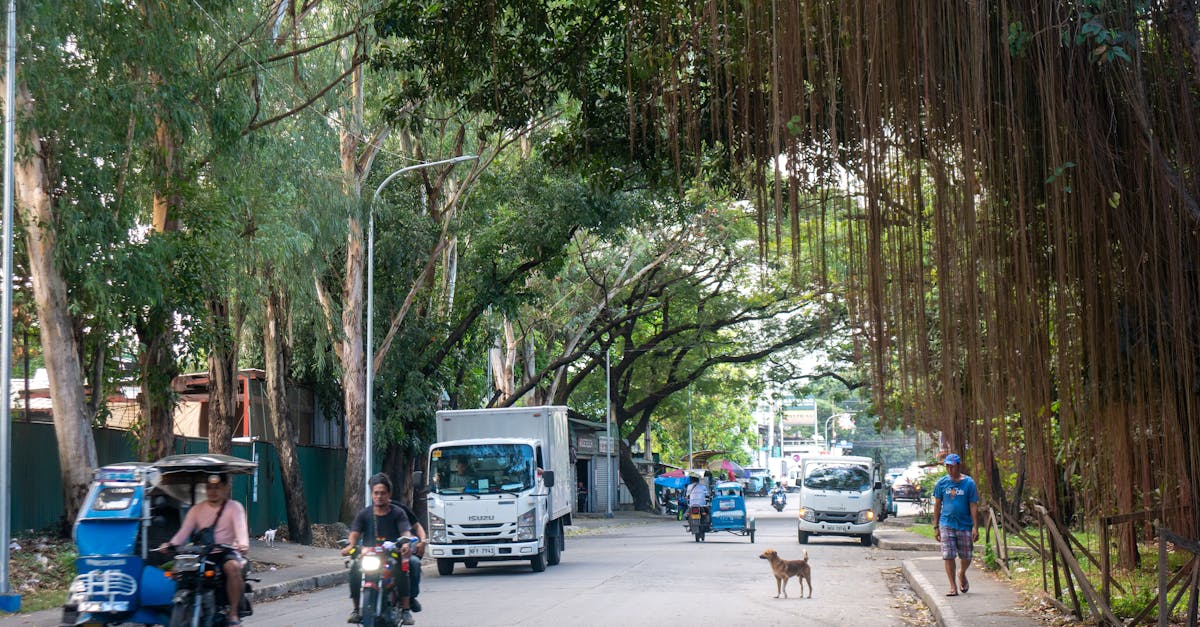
[
  {"x": 942, "y": 611},
  {"x": 300, "y": 584}
]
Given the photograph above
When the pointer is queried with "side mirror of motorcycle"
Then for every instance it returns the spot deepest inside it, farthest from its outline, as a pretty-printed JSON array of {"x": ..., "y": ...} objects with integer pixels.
[{"x": 548, "y": 478}]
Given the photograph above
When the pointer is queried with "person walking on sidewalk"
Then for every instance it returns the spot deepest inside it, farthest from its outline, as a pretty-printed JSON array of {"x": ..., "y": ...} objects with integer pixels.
[{"x": 955, "y": 510}]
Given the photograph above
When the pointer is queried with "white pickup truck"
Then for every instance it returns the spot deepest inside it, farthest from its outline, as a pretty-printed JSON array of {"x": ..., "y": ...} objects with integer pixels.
[{"x": 840, "y": 496}]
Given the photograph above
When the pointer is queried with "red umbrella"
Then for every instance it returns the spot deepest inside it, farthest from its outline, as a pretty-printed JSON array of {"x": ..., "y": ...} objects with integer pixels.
[{"x": 731, "y": 469}]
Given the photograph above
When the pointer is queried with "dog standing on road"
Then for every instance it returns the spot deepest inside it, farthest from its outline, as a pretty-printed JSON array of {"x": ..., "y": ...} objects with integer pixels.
[{"x": 786, "y": 569}]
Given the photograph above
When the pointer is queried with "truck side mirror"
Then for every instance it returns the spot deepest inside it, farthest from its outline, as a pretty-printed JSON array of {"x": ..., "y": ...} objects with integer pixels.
[
  {"x": 418, "y": 479},
  {"x": 878, "y": 485},
  {"x": 548, "y": 478}
]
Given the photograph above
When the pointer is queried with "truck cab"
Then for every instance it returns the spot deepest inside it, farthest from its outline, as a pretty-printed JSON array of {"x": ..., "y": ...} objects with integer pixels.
[{"x": 840, "y": 496}]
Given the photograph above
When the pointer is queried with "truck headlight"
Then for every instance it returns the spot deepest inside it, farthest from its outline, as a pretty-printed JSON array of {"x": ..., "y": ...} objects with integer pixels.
[
  {"x": 865, "y": 516},
  {"x": 808, "y": 514},
  {"x": 437, "y": 529},
  {"x": 525, "y": 526},
  {"x": 371, "y": 563}
]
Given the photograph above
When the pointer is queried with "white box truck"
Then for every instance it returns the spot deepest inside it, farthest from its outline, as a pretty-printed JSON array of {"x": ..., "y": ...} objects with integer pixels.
[
  {"x": 500, "y": 486},
  {"x": 840, "y": 495}
]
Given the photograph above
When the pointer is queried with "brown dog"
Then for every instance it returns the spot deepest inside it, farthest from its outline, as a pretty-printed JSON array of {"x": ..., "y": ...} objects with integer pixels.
[{"x": 785, "y": 569}]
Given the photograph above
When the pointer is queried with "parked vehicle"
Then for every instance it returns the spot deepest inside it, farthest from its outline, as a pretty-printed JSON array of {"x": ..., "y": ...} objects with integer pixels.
[
  {"x": 384, "y": 570},
  {"x": 902, "y": 490},
  {"x": 129, "y": 508},
  {"x": 840, "y": 496},
  {"x": 500, "y": 486}
]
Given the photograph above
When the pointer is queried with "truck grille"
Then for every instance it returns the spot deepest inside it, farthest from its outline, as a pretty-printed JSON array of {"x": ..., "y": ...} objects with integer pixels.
[
  {"x": 486, "y": 533},
  {"x": 837, "y": 517}
]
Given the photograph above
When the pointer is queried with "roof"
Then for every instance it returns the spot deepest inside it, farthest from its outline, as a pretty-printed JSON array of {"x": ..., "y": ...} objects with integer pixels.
[{"x": 702, "y": 457}]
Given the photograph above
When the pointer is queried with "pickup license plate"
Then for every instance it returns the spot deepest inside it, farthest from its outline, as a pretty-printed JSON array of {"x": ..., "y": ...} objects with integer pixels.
[
  {"x": 838, "y": 527},
  {"x": 481, "y": 550}
]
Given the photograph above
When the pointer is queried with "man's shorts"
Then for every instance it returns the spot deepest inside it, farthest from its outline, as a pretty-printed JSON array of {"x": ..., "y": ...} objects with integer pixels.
[{"x": 956, "y": 543}]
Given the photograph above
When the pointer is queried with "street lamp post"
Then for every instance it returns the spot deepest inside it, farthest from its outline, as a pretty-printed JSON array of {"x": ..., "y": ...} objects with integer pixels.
[
  {"x": 367, "y": 461},
  {"x": 829, "y": 420}
]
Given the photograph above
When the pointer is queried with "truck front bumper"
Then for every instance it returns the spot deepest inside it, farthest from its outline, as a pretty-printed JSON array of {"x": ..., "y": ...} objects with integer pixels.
[
  {"x": 840, "y": 529},
  {"x": 483, "y": 552}
]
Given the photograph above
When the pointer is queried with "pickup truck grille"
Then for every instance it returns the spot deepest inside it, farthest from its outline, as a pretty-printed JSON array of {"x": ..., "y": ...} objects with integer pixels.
[{"x": 487, "y": 533}]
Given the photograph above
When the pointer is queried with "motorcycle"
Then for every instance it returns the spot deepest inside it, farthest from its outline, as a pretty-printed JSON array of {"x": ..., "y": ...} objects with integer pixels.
[
  {"x": 384, "y": 570},
  {"x": 698, "y": 522},
  {"x": 778, "y": 500},
  {"x": 200, "y": 597}
]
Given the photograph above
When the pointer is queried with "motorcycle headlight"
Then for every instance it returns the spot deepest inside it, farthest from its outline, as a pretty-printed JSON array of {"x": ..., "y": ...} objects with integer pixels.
[
  {"x": 525, "y": 526},
  {"x": 437, "y": 529},
  {"x": 865, "y": 516},
  {"x": 371, "y": 563},
  {"x": 808, "y": 514}
]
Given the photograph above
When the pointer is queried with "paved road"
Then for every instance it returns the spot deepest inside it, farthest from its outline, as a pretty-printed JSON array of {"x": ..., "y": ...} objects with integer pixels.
[{"x": 652, "y": 574}]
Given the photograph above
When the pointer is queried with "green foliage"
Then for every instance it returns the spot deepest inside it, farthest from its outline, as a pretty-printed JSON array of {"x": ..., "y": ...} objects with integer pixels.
[{"x": 1018, "y": 39}]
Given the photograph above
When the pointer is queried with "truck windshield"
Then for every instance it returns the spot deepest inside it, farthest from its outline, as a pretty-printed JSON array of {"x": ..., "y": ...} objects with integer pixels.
[
  {"x": 481, "y": 469},
  {"x": 840, "y": 477}
]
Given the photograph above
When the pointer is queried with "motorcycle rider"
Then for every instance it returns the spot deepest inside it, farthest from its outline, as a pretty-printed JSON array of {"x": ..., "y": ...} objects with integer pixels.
[
  {"x": 380, "y": 521},
  {"x": 226, "y": 518},
  {"x": 777, "y": 494}
]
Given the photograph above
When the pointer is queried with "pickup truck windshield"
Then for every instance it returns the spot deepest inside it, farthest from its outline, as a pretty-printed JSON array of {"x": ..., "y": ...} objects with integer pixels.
[
  {"x": 481, "y": 469},
  {"x": 839, "y": 477}
]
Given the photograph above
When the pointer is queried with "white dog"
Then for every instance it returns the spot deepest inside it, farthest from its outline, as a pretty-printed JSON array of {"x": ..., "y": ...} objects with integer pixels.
[{"x": 269, "y": 536}]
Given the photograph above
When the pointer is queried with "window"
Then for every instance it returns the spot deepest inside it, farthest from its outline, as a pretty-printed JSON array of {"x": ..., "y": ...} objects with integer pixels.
[
  {"x": 113, "y": 499},
  {"x": 842, "y": 478},
  {"x": 482, "y": 469}
]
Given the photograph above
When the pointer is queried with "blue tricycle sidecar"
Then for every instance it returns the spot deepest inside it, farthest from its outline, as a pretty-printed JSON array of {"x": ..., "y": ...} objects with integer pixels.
[
  {"x": 130, "y": 509},
  {"x": 728, "y": 510}
]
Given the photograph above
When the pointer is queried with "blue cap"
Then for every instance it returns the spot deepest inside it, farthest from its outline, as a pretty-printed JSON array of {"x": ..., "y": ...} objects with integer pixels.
[{"x": 952, "y": 458}]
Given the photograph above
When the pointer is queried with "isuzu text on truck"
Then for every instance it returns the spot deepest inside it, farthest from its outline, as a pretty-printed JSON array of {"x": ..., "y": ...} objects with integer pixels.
[
  {"x": 840, "y": 495},
  {"x": 500, "y": 486}
]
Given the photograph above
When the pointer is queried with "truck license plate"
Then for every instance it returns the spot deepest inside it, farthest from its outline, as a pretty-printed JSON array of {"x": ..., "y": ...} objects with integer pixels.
[{"x": 481, "y": 550}]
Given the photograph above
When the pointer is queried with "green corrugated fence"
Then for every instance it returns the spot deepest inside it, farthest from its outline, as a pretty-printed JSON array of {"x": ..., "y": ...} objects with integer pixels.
[{"x": 37, "y": 487}]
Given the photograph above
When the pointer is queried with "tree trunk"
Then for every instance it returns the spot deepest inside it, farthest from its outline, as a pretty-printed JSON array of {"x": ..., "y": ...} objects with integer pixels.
[
  {"x": 223, "y": 379},
  {"x": 634, "y": 480},
  {"x": 354, "y": 369},
  {"x": 277, "y": 354},
  {"x": 72, "y": 428},
  {"x": 158, "y": 369},
  {"x": 155, "y": 331}
]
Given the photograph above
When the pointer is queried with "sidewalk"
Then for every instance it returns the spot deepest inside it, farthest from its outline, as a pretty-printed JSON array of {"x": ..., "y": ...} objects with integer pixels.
[{"x": 990, "y": 601}]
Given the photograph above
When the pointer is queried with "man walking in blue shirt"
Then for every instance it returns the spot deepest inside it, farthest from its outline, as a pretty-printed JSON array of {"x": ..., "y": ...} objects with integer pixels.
[{"x": 955, "y": 510}]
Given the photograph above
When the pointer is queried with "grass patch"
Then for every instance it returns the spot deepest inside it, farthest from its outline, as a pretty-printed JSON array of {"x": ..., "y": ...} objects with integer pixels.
[{"x": 1140, "y": 584}]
